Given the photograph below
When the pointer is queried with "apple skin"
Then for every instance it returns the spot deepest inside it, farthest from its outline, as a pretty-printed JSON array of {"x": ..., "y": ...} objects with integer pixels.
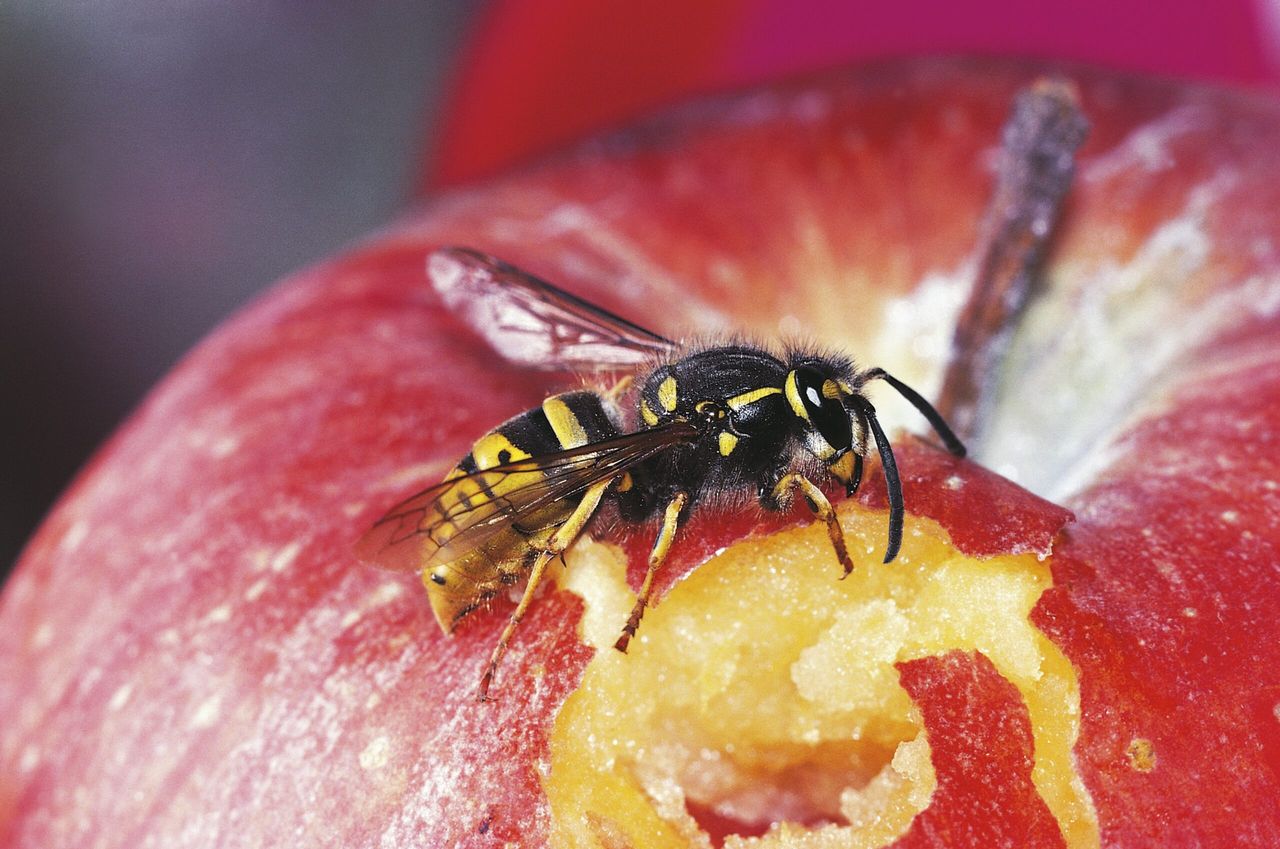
[{"x": 193, "y": 656}]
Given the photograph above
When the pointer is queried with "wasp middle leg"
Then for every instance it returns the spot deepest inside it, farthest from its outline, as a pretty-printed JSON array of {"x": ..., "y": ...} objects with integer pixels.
[{"x": 670, "y": 524}]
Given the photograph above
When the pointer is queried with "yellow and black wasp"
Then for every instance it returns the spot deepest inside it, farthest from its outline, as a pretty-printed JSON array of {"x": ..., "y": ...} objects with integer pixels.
[{"x": 711, "y": 423}]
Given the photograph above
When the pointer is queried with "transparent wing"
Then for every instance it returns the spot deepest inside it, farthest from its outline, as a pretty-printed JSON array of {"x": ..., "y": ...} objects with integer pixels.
[
  {"x": 455, "y": 516},
  {"x": 531, "y": 322}
]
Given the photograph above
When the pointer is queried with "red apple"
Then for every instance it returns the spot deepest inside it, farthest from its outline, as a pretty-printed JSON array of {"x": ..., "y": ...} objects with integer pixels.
[{"x": 193, "y": 656}]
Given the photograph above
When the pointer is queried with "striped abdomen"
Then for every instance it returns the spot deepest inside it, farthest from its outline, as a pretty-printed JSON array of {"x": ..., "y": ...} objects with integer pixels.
[{"x": 456, "y": 587}]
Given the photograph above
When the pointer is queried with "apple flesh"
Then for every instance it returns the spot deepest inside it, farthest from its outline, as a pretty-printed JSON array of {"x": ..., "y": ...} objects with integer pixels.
[
  {"x": 764, "y": 690},
  {"x": 193, "y": 657}
]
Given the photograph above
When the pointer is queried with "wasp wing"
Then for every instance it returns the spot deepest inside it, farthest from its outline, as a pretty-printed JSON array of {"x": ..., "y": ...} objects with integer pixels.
[
  {"x": 533, "y": 323},
  {"x": 461, "y": 513}
]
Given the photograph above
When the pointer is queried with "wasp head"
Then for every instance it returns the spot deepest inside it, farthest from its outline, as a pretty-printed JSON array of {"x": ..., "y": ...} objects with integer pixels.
[{"x": 822, "y": 401}]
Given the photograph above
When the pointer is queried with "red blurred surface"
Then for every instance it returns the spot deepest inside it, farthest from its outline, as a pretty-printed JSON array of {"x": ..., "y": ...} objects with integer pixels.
[{"x": 538, "y": 73}]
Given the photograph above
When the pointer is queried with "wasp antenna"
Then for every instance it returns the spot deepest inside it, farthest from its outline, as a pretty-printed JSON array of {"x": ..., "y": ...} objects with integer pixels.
[
  {"x": 892, "y": 483},
  {"x": 940, "y": 426}
]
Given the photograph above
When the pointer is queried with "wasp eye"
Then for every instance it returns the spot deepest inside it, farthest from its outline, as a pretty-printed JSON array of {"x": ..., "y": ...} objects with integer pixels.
[{"x": 826, "y": 414}]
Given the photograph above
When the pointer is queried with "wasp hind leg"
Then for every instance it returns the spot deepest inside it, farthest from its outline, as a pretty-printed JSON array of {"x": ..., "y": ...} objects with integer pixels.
[
  {"x": 555, "y": 546},
  {"x": 821, "y": 507},
  {"x": 670, "y": 524}
]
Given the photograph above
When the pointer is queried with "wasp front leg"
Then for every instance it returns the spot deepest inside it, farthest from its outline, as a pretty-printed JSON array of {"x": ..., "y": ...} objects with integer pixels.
[
  {"x": 555, "y": 546},
  {"x": 670, "y": 524},
  {"x": 780, "y": 495}
]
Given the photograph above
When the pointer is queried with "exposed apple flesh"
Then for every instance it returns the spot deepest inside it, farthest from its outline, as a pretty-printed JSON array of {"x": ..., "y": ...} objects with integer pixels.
[
  {"x": 763, "y": 690},
  {"x": 192, "y": 657}
]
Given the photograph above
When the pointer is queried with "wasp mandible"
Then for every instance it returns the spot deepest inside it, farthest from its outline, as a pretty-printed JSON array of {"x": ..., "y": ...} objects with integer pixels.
[{"x": 711, "y": 423}]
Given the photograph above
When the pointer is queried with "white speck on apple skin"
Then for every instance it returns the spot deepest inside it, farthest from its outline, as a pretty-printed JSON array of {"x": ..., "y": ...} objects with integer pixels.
[
  {"x": 30, "y": 758},
  {"x": 221, "y": 613},
  {"x": 256, "y": 589},
  {"x": 120, "y": 697},
  {"x": 284, "y": 558},
  {"x": 375, "y": 755},
  {"x": 74, "y": 536},
  {"x": 42, "y": 637},
  {"x": 384, "y": 593},
  {"x": 224, "y": 447},
  {"x": 207, "y": 713}
]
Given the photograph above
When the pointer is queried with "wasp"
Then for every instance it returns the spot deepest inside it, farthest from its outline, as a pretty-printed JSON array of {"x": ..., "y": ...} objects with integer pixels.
[{"x": 711, "y": 424}]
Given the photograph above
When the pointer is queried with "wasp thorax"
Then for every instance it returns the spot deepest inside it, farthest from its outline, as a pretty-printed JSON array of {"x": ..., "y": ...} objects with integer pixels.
[{"x": 732, "y": 390}]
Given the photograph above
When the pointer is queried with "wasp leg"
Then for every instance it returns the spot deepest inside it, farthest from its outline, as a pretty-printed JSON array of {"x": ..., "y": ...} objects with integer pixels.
[
  {"x": 613, "y": 393},
  {"x": 670, "y": 524},
  {"x": 821, "y": 508},
  {"x": 560, "y": 540}
]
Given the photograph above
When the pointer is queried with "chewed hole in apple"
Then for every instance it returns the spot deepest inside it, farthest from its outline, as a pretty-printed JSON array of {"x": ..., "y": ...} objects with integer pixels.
[{"x": 762, "y": 698}]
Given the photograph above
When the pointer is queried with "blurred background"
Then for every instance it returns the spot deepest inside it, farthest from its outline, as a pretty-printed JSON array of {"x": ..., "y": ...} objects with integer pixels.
[{"x": 163, "y": 161}]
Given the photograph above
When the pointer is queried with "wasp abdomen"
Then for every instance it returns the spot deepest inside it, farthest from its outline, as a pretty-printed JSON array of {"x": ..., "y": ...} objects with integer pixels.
[{"x": 569, "y": 420}]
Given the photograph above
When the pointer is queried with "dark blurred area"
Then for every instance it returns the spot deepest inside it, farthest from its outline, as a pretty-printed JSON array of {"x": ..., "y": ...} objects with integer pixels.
[{"x": 161, "y": 163}]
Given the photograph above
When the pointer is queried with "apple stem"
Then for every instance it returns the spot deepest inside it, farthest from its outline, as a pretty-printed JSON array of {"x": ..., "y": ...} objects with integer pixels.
[{"x": 1035, "y": 169}]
